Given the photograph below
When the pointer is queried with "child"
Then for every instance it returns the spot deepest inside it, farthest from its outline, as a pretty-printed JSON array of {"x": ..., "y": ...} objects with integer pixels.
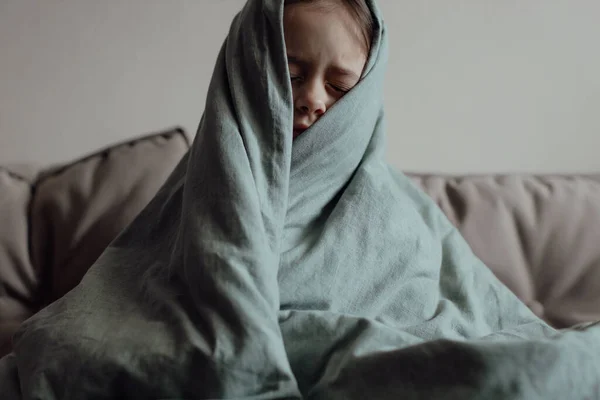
[
  {"x": 274, "y": 265},
  {"x": 328, "y": 42}
]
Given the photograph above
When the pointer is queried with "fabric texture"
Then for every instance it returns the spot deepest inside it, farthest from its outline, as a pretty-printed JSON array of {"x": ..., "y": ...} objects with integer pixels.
[
  {"x": 80, "y": 207},
  {"x": 19, "y": 279},
  {"x": 538, "y": 234},
  {"x": 263, "y": 270},
  {"x": 55, "y": 222}
]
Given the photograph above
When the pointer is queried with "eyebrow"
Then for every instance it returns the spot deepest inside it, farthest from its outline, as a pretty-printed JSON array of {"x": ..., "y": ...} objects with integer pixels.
[{"x": 335, "y": 68}]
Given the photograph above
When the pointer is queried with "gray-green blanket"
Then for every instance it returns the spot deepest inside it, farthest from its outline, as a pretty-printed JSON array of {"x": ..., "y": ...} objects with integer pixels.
[{"x": 263, "y": 270}]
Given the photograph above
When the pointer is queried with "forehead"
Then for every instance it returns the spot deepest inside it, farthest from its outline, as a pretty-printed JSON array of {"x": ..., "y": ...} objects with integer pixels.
[{"x": 315, "y": 31}]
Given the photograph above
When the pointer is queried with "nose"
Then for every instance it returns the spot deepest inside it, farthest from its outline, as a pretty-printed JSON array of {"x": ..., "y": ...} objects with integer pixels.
[{"x": 311, "y": 99}]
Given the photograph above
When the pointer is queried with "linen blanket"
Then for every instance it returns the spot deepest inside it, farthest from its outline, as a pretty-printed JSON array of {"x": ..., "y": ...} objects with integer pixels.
[{"x": 266, "y": 270}]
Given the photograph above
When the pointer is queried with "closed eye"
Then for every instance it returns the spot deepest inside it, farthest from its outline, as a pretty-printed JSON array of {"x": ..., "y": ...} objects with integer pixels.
[{"x": 338, "y": 89}]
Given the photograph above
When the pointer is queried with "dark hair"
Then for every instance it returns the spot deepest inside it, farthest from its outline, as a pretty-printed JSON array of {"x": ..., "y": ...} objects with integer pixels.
[{"x": 359, "y": 10}]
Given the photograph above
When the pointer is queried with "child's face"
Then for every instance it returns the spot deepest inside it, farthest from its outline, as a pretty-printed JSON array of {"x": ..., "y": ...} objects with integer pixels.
[{"x": 326, "y": 57}]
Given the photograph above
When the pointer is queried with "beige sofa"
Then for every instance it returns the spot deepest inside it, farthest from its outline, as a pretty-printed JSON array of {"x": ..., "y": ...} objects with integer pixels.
[{"x": 539, "y": 234}]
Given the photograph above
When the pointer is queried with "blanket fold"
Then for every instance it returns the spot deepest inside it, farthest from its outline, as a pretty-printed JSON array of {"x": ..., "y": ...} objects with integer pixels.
[{"x": 263, "y": 270}]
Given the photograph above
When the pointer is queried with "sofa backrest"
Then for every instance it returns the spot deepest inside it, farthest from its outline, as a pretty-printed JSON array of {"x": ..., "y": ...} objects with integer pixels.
[
  {"x": 19, "y": 279},
  {"x": 539, "y": 234},
  {"x": 55, "y": 225}
]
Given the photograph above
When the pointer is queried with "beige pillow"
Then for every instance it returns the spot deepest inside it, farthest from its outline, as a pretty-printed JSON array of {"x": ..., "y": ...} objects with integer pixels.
[
  {"x": 18, "y": 279},
  {"x": 540, "y": 235},
  {"x": 79, "y": 208}
]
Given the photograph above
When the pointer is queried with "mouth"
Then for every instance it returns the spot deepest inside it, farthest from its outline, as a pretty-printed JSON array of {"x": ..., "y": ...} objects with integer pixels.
[{"x": 299, "y": 129}]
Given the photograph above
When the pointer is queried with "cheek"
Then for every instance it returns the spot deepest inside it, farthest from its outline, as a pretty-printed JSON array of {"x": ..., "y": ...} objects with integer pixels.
[
  {"x": 333, "y": 96},
  {"x": 337, "y": 94},
  {"x": 313, "y": 91},
  {"x": 295, "y": 92}
]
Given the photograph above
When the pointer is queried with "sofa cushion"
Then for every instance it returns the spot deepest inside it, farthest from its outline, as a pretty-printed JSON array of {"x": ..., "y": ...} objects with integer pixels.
[
  {"x": 79, "y": 208},
  {"x": 19, "y": 280},
  {"x": 539, "y": 235}
]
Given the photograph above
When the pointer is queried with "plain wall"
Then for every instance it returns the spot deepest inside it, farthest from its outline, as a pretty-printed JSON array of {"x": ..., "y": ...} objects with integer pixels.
[{"x": 474, "y": 86}]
